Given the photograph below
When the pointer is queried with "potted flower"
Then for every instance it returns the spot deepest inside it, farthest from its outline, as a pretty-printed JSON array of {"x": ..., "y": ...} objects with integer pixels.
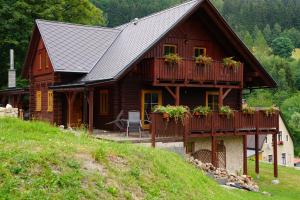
[
  {"x": 163, "y": 111},
  {"x": 248, "y": 110},
  {"x": 230, "y": 63},
  {"x": 271, "y": 111},
  {"x": 178, "y": 112},
  {"x": 172, "y": 58},
  {"x": 204, "y": 60},
  {"x": 201, "y": 111},
  {"x": 226, "y": 111}
]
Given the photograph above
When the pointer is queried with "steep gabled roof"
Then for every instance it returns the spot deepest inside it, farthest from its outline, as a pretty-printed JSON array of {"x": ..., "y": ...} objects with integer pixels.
[
  {"x": 75, "y": 48},
  {"x": 136, "y": 38}
]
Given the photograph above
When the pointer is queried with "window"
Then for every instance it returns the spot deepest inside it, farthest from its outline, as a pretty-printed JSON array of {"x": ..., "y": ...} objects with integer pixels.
[
  {"x": 168, "y": 49},
  {"x": 103, "y": 102},
  {"x": 212, "y": 100},
  {"x": 38, "y": 99},
  {"x": 280, "y": 136},
  {"x": 287, "y": 138},
  {"x": 50, "y": 101},
  {"x": 270, "y": 158},
  {"x": 283, "y": 158},
  {"x": 199, "y": 51},
  {"x": 46, "y": 62},
  {"x": 266, "y": 139},
  {"x": 150, "y": 99}
]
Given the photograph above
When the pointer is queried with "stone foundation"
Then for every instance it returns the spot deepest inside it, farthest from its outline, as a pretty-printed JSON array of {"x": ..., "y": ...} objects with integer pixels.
[
  {"x": 233, "y": 149},
  {"x": 8, "y": 111}
]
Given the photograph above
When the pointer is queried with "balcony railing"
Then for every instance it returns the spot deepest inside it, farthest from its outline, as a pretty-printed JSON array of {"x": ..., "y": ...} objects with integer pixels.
[
  {"x": 188, "y": 71},
  {"x": 214, "y": 124}
]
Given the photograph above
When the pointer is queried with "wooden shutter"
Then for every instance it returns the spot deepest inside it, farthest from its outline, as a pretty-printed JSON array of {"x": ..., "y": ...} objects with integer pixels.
[
  {"x": 50, "y": 101},
  {"x": 38, "y": 99},
  {"x": 104, "y": 105}
]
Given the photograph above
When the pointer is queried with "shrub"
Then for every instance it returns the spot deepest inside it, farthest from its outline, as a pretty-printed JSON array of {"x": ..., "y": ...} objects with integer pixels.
[
  {"x": 229, "y": 62},
  {"x": 204, "y": 60},
  {"x": 226, "y": 110},
  {"x": 201, "y": 110},
  {"x": 172, "y": 58}
]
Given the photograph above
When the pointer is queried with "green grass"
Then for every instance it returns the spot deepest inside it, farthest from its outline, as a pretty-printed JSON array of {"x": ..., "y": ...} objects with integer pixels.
[
  {"x": 38, "y": 161},
  {"x": 289, "y": 180},
  {"x": 296, "y": 53}
]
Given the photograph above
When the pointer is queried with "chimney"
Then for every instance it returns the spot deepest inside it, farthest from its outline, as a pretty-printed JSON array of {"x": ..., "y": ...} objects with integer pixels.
[{"x": 12, "y": 71}]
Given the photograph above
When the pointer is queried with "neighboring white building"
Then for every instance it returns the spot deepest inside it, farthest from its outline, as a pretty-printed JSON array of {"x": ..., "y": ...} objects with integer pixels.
[{"x": 285, "y": 146}]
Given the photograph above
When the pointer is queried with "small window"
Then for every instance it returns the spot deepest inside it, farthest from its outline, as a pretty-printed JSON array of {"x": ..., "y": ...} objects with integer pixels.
[
  {"x": 38, "y": 100},
  {"x": 266, "y": 139},
  {"x": 168, "y": 49},
  {"x": 103, "y": 102},
  {"x": 50, "y": 101},
  {"x": 46, "y": 61},
  {"x": 280, "y": 136},
  {"x": 199, "y": 51},
  {"x": 270, "y": 158},
  {"x": 287, "y": 138},
  {"x": 283, "y": 158}
]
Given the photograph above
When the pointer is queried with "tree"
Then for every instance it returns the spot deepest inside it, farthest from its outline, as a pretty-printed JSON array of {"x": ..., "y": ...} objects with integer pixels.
[
  {"x": 260, "y": 43},
  {"x": 268, "y": 33},
  {"x": 17, "y": 20},
  {"x": 295, "y": 120},
  {"x": 247, "y": 39},
  {"x": 119, "y": 12},
  {"x": 283, "y": 47}
]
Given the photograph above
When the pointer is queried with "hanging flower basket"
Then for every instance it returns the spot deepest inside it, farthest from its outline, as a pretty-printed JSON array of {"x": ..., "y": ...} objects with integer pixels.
[
  {"x": 230, "y": 63},
  {"x": 172, "y": 59},
  {"x": 201, "y": 111},
  {"x": 226, "y": 111},
  {"x": 203, "y": 60}
]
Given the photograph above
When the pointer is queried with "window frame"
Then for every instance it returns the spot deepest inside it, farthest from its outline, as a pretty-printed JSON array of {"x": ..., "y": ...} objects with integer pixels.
[
  {"x": 38, "y": 101},
  {"x": 105, "y": 111},
  {"x": 50, "y": 101},
  {"x": 280, "y": 136},
  {"x": 169, "y": 45},
  {"x": 40, "y": 59},
  {"x": 159, "y": 93},
  {"x": 196, "y": 48}
]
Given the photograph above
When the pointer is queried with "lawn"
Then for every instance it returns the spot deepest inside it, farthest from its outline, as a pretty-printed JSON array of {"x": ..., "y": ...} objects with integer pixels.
[
  {"x": 296, "y": 53},
  {"x": 38, "y": 161}
]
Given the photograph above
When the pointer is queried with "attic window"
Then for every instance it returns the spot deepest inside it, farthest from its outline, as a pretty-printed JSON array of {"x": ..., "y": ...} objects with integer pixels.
[
  {"x": 168, "y": 49},
  {"x": 199, "y": 51}
]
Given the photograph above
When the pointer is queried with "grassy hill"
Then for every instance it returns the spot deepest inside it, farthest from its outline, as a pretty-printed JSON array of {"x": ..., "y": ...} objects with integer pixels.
[{"x": 38, "y": 161}]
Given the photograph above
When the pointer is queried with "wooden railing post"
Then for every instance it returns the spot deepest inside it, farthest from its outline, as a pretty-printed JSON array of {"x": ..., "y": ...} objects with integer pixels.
[
  {"x": 257, "y": 144},
  {"x": 245, "y": 164},
  {"x": 186, "y": 132},
  {"x": 153, "y": 129}
]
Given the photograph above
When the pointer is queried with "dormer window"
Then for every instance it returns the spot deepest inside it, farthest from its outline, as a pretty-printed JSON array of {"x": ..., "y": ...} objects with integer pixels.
[
  {"x": 168, "y": 49},
  {"x": 199, "y": 51}
]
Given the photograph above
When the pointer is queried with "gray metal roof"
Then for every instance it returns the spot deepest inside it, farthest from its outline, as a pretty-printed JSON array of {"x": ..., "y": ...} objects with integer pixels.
[
  {"x": 75, "y": 48},
  {"x": 135, "y": 39}
]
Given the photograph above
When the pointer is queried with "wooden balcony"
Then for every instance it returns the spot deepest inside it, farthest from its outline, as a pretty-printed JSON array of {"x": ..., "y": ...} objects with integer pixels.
[
  {"x": 188, "y": 72},
  {"x": 215, "y": 124}
]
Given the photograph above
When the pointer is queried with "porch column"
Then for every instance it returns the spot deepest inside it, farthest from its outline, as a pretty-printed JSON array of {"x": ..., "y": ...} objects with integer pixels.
[
  {"x": 220, "y": 97},
  {"x": 213, "y": 151},
  {"x": 85, "y": 113},
  {"x": 256, "y": 154},
  {"x": 91, "y": 110},
  {"x": 177, "y": 101},
  {"x": 70, "y": 98},
  {"x": 245, "y": 164},
  {"x": 275, "y": 155}
]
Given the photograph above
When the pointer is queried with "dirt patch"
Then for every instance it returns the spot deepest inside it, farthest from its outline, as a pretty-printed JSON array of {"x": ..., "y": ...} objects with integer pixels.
[
  {"x": 118, "y": 161},
  {"x": 88, "y": 163}
]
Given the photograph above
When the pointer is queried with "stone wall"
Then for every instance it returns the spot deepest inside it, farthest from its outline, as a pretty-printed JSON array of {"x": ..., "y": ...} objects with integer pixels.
[
  {"x": 8, "y": 111},
  {"x": 234, "y": 151}
]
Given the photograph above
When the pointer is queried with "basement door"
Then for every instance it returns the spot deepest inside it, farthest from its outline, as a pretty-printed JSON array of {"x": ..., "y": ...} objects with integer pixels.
[{"x": 221, "y": 154}]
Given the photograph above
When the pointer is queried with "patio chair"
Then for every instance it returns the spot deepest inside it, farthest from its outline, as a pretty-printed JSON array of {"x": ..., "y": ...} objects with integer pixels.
[
  {"x": 134, "y": 122},
  {"x": 118, "y": 122}
]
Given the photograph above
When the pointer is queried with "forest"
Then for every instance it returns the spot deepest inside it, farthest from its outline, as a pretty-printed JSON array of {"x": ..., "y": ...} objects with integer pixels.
[{"x": 270, "y": 29}]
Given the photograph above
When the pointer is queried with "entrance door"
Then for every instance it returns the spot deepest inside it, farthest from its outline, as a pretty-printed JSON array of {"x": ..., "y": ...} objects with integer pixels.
[
  {"x": 212, "y": 100},
  {"x": 150, "y": 99}
]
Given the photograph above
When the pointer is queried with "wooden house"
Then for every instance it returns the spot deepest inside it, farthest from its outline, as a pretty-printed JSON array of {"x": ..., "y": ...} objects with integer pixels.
[{"x": 82, "y": 74}]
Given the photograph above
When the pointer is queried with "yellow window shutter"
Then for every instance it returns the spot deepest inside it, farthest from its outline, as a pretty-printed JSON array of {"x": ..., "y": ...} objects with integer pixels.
[
  {"x": 50, "y": 101},
  {"x": 38, "y": 101}
]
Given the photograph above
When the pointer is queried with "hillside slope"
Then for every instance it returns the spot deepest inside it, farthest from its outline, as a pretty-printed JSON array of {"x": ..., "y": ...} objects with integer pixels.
[{"x": 38, "y": 161}]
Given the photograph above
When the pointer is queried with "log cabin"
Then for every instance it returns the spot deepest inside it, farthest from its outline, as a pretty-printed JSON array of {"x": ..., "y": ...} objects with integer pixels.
[{"x": 86, "y": 75}]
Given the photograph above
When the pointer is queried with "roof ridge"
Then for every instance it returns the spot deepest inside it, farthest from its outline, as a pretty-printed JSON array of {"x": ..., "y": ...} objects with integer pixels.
[
  {"x": 76, "y": 25},
  {"x": 159, "y": 12}
]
